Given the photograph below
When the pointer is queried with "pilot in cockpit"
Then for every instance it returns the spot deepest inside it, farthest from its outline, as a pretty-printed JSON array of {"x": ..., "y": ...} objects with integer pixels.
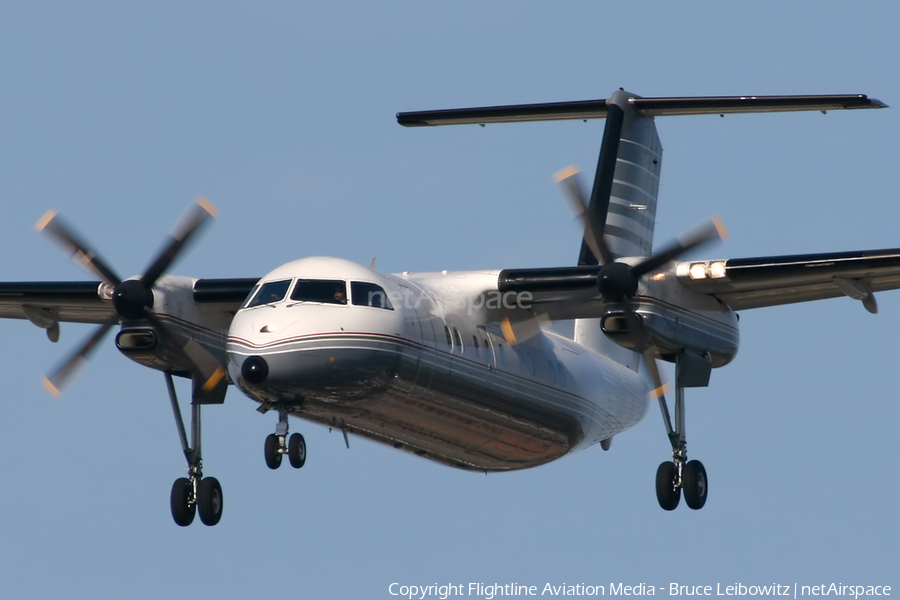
[{"x": 340, "y": 294}]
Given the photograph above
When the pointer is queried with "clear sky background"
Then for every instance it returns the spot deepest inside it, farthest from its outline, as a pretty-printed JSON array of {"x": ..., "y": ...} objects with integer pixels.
[{"x": 119, "y": 114}]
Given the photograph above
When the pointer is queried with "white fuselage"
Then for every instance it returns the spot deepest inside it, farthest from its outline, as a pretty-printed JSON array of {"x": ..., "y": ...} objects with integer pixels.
[{"x": 427, "y": 371}]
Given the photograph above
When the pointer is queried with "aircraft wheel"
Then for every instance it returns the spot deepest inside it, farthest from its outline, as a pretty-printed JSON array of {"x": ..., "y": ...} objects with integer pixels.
[
  {"x": 209, "y": 500},
  {"x": 695, "y": 484},
  {"x": 297, "y": 450},
  {"x": 273, "y": 456},
  {"x": 182, "y": 510},
  {"x": 666, "y": 492}
]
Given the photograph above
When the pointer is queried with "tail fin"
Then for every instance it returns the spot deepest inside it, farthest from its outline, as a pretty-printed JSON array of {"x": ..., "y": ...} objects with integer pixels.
[{"x": 627, "y": 178}]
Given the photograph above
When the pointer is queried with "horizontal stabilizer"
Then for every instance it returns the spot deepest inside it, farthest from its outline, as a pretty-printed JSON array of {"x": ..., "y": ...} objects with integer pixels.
[{"x": 650, "y": 107}]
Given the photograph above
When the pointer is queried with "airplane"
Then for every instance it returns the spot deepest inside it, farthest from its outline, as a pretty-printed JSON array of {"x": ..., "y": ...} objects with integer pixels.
[{"x": 459, "y": 366}]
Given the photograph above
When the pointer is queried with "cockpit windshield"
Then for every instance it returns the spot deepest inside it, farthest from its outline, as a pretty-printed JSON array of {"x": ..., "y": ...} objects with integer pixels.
[
  {"x": 273, "y": 291},
  {"x": 369, "y": 294},
  {"x": 331, "y": 291}
]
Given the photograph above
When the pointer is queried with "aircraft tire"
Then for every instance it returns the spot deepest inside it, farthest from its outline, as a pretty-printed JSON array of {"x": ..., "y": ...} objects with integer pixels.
[
  {"x": 273, "y": 456},
  {"x": 666, "y": 492},
  {"x": 297, "y": 450},
  {"x": 182, "y": 511},
  {"x": 695, "y": 484},
  {"x": 209, "y": 501}
]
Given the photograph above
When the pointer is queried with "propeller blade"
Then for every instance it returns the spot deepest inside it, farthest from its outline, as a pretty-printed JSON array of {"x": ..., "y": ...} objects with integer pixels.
[
  {"x": 61, "y": 377},
  {"x": 522, "y": 330},
  {"x": 709, "y": 231},
  {"x": 210, "y": 369},
  {"x": 568, "y": 178},
  {"x": 598, "y": 207},
  {"x": 81, "y": 254},
  {"x": 193, "y": 219},
  {"x": 659, "y": 388},
  {"x": 203, "y": 363}
]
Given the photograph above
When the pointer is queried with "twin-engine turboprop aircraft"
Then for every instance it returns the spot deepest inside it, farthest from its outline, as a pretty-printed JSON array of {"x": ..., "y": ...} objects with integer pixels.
[{"x": 455, "y": 366}]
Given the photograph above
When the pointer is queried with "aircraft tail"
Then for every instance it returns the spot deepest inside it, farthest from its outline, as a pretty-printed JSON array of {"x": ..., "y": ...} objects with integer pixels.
[{"x": 626, "y": 183}]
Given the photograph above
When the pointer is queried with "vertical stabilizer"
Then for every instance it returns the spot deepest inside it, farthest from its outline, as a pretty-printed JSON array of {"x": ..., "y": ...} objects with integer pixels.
[
  {"x": 628, "y": 167},
  {"x": 632, "y": 202}
]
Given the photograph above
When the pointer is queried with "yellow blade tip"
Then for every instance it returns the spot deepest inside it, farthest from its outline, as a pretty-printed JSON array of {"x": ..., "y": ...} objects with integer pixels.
[
  {"x": 52, "y": 389},
  {"x": 508, "y": 333},
  {"x": 565, "y": 173},
  {"x": 214, "y": 380},
  {"x": 45, "y": 220},
  {"x": 659, "y": 392},
  {"x": 720, "y": 228},
  {"x": 208, "y": 206}
]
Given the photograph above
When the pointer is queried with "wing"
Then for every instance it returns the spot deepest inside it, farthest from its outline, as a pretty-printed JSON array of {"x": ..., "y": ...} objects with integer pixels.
[
  {"x": 62, "y": 301},
  {"x": 741, "y": 283},
  {"x": 46, "y": 303},
  {"x": 744, "y": 283}
]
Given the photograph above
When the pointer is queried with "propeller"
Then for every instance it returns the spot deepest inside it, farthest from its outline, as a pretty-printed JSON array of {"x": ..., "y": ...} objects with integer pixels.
[
  {"x": 132, "y": 299},
  {"x": 618, "y": 281}
]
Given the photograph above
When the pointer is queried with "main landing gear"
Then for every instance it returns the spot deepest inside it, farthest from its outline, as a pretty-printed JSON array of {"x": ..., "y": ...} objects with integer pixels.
[
  {"x": 278, "y": 444},
  {"x": 681, "y": 475},
  {"x": 194, "y": 493}
]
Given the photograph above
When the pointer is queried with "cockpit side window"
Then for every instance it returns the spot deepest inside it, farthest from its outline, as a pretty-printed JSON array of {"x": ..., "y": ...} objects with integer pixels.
[
  {"x": 329, "y": 291},
  {"x": 369, "y": 294},
  {"x": 250, "y": 296},
  {"x": 272, "y": 291}
]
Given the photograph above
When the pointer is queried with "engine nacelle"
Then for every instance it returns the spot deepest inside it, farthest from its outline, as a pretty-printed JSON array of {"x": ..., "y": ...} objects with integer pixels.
[
  {"x": 712, "y": 334},
  {"x": 143, "y": 345}
]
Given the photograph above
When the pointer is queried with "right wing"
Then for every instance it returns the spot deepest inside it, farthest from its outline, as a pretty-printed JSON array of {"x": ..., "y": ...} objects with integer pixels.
[{"x": 47, "y": 302}]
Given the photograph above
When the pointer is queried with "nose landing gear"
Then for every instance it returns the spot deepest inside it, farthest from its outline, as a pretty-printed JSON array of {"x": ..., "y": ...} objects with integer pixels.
[{"x": 278, "y": 444}]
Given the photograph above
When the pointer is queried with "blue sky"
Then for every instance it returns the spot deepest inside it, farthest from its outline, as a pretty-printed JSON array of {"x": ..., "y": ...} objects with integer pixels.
[{"x": 283, "y": 115}]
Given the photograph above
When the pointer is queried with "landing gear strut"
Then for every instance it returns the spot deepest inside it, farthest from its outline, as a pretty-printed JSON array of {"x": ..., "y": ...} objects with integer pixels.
[
  {"x": 194, "y": 493},
  {"x": 278, "y": 444},
  {"x": 679, "y": 475}
]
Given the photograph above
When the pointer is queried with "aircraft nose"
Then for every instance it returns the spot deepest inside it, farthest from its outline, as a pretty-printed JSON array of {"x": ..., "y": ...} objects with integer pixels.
[{"x": 255, "y": 370}]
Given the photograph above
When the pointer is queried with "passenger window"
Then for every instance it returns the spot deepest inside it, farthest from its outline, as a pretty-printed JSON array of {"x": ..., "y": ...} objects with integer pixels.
[
  {"x": 529, "y": 364},
  {"x": 273, "y": 291},
  {"x": 449, "y": 339},
  {"x": 458, "y": 339},
  {"x": 328, "y": 291},
  {"x": 475, "y": 343},
  {"x": 369, "y": 294}
]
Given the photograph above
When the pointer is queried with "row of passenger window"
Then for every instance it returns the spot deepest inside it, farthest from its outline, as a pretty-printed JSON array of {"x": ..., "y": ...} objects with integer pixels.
[
  {"x": 324, "y": 291},
  {"x": 455, "y": 342},
  {"x": 555, "y": 370}
]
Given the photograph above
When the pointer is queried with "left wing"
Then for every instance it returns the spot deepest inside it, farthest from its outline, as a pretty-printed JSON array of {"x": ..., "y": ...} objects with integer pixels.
[
  {"x": 741, "y": 283},
  {"x": 744, "y": 283}
]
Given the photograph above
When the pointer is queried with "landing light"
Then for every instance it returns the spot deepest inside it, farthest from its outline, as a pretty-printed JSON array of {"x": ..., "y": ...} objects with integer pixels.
[
  {"x": 271, "y": 328},
  {"x": 717, "y": 269},
  {"x": 713, "y": 270}
]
